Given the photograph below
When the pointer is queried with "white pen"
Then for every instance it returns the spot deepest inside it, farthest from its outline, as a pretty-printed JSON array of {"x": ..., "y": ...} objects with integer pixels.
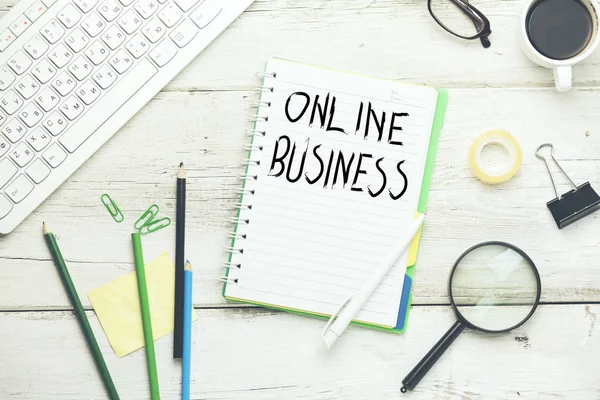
[{"x": 340, "y": 320}]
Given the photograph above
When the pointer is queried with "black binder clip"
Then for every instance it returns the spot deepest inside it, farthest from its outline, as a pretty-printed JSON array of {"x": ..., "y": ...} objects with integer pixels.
[{"x": 573, "y": 205}]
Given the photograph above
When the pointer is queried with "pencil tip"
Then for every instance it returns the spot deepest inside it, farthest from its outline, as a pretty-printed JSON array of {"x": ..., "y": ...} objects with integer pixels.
[
  {"x": 188, "y": 266},
  {"x": 181, "y": 173},
  {"x": 180, "y": 165},
  {"x": 44, "y": 228}
]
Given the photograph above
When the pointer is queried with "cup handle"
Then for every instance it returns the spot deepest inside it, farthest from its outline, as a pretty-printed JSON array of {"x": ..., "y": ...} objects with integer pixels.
[{"x": 563, "y": 78}]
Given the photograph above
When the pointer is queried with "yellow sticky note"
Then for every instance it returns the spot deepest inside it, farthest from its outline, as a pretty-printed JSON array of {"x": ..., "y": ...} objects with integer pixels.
[{"x": 117, "y": 306}]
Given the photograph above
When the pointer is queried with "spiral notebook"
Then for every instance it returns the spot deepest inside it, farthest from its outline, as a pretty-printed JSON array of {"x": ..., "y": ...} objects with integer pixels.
[{"x": 338, "y": 167}]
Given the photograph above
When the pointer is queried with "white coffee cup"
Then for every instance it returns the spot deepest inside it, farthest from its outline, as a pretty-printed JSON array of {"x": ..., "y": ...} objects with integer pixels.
[{"x": 563, "y": 75}]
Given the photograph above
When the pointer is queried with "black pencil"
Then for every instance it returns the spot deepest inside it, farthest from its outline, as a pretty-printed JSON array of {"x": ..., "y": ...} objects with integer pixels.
[{"x": 179, "y": 264}]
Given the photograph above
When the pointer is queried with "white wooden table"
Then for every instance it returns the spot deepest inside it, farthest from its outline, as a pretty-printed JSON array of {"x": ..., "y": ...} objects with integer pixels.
[{"x": 250, "y": 353}]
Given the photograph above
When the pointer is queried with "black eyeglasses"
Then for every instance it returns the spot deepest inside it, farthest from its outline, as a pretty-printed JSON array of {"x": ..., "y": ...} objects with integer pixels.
[{"x": 461, "y": 19}]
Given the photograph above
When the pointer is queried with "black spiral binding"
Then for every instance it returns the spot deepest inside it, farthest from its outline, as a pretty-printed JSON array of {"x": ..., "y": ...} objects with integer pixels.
[{"x": 259, "y": 133}]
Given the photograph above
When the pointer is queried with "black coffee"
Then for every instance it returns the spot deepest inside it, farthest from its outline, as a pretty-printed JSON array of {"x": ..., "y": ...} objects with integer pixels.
[{"x": 559, "y": 29}]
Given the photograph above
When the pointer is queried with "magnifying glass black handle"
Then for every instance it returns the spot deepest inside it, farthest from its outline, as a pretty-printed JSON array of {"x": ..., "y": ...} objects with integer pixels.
[{"x": 414, "y": 377}]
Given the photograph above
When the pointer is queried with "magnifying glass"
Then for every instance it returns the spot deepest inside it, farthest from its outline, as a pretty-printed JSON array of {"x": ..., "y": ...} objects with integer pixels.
[{"x": 494, "y": 288}]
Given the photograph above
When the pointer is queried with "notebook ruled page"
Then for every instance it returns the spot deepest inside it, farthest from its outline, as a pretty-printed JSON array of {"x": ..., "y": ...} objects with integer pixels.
[{"x": 334, "y": 179}]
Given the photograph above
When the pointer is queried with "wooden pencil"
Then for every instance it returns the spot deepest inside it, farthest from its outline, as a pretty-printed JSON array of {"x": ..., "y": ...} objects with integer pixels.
[
  {"x": 138, "y": 256},
  {"x": 84, "y": 323},
  {"x": 179, "y": 263},
  {"x": 187, "y": 333}
]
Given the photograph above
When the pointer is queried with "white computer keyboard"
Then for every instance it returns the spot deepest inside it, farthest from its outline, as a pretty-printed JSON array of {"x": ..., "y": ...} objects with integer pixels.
[{"x": 73, "y": 72}]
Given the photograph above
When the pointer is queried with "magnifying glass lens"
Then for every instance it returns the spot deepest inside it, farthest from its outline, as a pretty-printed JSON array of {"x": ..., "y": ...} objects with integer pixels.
[{"x": 494, "y": 288}]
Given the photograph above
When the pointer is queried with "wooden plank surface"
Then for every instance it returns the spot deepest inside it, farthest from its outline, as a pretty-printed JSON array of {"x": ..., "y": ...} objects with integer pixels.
[
  {"x": 202, "y": 118},
  {"x": 254, "y": 354},
  {"x": 138, "y": 166},
  {"x": 390, "y": 38}
]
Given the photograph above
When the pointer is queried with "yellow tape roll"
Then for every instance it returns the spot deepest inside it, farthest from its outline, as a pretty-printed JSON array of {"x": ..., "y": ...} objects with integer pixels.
[{"x": 505, "y": 140}]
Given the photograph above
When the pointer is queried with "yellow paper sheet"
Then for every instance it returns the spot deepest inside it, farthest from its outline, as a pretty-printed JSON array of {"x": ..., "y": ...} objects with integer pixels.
[
  {"x": 414, "y": 247},
  {"x": 118, "y": 306}
]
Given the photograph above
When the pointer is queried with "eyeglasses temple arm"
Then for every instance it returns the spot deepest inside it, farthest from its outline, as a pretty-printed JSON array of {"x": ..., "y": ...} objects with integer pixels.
[{"x": 476, "y": 18}]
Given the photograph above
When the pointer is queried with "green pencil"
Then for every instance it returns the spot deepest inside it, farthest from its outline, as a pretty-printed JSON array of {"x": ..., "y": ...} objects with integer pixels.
[
  {"x": 80, "y": 312},
  {"x": 138, "y": 255}
]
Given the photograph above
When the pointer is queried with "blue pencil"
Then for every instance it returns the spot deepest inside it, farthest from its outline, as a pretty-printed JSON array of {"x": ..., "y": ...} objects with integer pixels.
[{"x": 187, "y": 332}]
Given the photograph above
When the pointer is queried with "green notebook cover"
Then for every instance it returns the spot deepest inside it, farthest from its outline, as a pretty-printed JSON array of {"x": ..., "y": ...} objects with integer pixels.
[
  {"x": 438, "y": 122},
  {"x": 403, "y": 311}
]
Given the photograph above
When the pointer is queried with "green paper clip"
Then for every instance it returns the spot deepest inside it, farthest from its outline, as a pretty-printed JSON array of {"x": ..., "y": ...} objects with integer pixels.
[
  {"x": 112, "y": 208},
  {"x": 155, "y": 225},
  {"x": 146, "y": 218}
]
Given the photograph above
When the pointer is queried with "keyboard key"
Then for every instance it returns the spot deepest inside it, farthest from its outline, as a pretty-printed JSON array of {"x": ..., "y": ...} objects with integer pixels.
[
  {"x": 44, "y": 71},
  {"x": 60, "y": 55},
  {"x": 52, "y": 31},
  {"x": 97, "y": 52},
  {"x": 35, "y": 11},
  {"x": 72, "y": 107},
  {"x": 20, "y": 25},
  {"x": 105, "y": 76},
  {"x": 47, "y": 99},
  {"x": 14, "y": 130},
  {"x": 77, "y": 40},
  {"x": 36, "y": 47},
  {"x": 170, "y": 15},
  {"x": 19, "y": 189},
  {"x": 154, "y": 30},
  {"x": 49, "y": 3},
  {"x": 113, "y": 37},
  {"x": 130, "y": 21},
  {"x": 6, "y": 77},
  {"x": 146, "y": 8},
  {"x": 54, "y": 155},
  {"x": 80, "y": 68},
  {"x": 184, "y": 33},
  {"x": 19, "y": 62},
  {"x": 31, "y": 115},
  {"x": 108, "y": 104},
  {"x": 110, "y": 10},
  {"x": 55, "y": 123},
  {"x": 64, "y": 83},
  {"x": 137, "y": 46},
  {"x": 6, "y": 38},
  {"x": 27, "y": 86},
  {"x": 4, "y": 146},
  {"x": 69, "y": 16},
  {"x": 164, "y": 52},
  {"x": 11, "y": 102},
  {"x": 5, "y": 206},
  {"x": 121, "y": 61},
  {"x": 85, "y": 5},
  {"x": 88, "y": 92},
  {"x": 93, "y": 24},
  {"x": 38, "y": 171},
  {"x": 7, "y": 171},
  {"x": 39, "y": 139},
  {"x": 22, "y": 154},
  {"x": 185, "y": 5},
  {"x": 205, "y": 14}
]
